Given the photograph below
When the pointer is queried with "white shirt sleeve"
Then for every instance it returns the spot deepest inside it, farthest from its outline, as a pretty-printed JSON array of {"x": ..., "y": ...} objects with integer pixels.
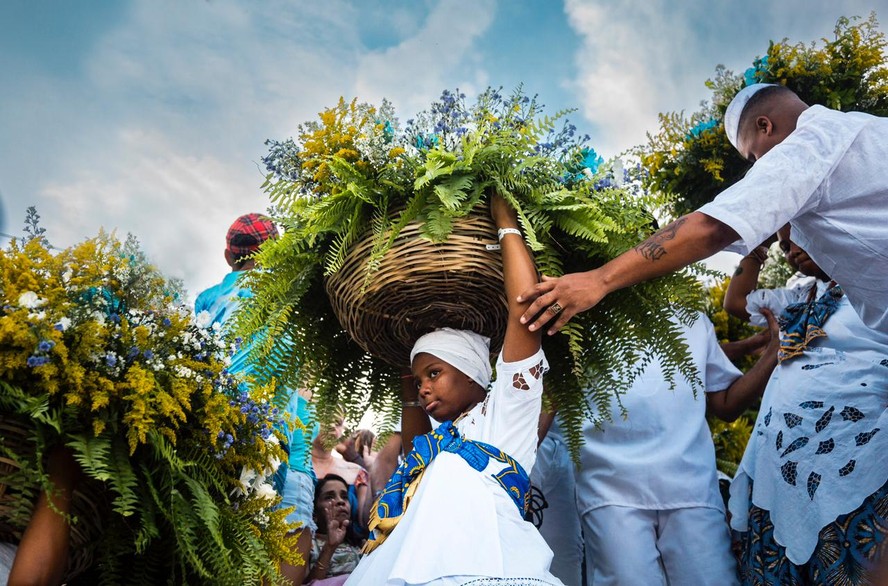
[
  {"x": 513, "y": 407},
  {"x": 785, "y": 182},
  {"x": 720, "y": 371}
]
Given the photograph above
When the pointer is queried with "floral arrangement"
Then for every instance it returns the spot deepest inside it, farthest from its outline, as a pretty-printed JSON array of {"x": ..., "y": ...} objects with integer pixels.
[
  {"x": 358, "y": 172},
  {"x": 95, "y": 354},
  {"x": 691, "y": 158}
]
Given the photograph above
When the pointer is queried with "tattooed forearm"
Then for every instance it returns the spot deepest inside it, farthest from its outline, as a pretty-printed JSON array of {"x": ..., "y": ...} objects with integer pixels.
[
  {"x": 739, "y": 271},
  {"x": 652, "y": 248}
]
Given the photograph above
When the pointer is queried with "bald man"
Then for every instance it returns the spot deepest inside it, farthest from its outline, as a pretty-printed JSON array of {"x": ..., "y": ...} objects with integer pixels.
[{"x": 821, "y": 170}]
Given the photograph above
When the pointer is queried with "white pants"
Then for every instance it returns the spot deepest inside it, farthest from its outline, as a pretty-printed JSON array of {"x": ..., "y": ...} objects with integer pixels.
[
  {"x": 679, "y": 547},
  {"x": 553, "y": 474}
]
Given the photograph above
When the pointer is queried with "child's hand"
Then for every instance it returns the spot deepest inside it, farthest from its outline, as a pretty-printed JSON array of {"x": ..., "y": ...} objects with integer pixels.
[{"x": 502, "y": 213}]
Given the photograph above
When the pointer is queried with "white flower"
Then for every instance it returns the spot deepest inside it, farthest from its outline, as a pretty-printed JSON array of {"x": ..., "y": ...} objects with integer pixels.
[
  {"x": 273, "y": 440},
  {"x": 66, "y": 276},
  {"x": 99, "y": 317},
  {"x": 64, "y": 323},
  {"x": 265, "y": 491},
  {"x": 40, "y": 315},
  {"x": 588, "y": 172},
  {"x": 618, "y": 172},
  {"x": 246, "y": 478},
  {"x": 30, "y": 300},
  {"x": 203, "y": 319}
]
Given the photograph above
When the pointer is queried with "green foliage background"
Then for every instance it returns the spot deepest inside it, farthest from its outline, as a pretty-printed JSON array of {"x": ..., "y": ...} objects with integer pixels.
[{"x": 343, "y": 187}]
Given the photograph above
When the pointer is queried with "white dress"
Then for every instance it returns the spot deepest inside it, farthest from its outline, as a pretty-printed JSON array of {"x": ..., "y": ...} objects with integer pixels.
[
  {"x": 819, "y": 447},
  {"x": 827, "y": 177},
  {"x": 461, "y": 527}
]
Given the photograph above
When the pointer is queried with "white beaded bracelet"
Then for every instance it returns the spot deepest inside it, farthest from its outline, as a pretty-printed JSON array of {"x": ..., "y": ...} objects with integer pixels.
[{"x": 503, "y": 231}]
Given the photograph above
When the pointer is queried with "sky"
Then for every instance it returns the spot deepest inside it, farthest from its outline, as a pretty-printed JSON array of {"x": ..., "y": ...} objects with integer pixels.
[{"x": 150, "y": 116}]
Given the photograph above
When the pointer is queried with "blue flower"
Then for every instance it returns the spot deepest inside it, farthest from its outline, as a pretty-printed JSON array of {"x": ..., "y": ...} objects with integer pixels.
[
  {"x": 111, "y": 360},
  {"x": 591, "y": 159},
  {"x": 702, "y": 127},
  {"x": 166, "y": 322},
  {"x": 756, "y": 73},
  {"x": 133, "y": 352},
  {"x": 148, "y": 354},
  {"x": 33, "y": 361},
  {"x": 45, "y": 345}
]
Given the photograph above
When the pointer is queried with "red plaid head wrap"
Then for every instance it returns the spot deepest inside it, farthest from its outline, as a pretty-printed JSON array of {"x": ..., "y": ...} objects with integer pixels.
[{"x": 248, "y": 232}]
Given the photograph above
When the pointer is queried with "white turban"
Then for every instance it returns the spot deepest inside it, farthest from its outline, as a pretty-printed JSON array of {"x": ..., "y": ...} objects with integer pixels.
[
  {"x": 735, "y": 110},
  {"x": 464, "y": 350}
]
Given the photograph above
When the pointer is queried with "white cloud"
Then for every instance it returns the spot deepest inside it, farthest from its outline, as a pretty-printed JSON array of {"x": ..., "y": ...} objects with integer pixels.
[
  {"x": 642, "y": 57},
  {"x": 439, "y": 54},
  {"x": 163, "y": 129}
]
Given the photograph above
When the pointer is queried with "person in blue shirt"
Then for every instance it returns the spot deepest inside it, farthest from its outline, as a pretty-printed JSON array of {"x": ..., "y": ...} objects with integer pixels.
[{"x": 216, "y": 305}]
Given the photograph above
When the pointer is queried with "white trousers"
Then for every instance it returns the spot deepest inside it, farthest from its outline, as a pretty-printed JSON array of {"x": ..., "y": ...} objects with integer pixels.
[
  {"x": 553, "y": 474},
  {"x": 678, "y": 547}
]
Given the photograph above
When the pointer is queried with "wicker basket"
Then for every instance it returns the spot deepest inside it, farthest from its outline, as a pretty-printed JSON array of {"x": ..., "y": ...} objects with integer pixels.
[
  {"x": 420, "y": 286},
  {"x": 87, "y": 506}
]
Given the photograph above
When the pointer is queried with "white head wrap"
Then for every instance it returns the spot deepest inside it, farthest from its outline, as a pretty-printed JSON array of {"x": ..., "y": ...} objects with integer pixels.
[
  {"x": 464, "y": 350},
  {"x": 735, "y": 110}
]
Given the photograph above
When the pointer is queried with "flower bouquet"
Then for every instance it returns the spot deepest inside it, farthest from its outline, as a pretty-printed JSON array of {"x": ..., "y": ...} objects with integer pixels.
[
  {"x": 359, "y": 180},
  {"x": 96, "y": 355}
]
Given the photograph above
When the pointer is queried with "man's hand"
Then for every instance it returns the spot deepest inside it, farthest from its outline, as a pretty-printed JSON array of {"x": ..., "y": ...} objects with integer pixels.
[{"x": 561, "y": 298}]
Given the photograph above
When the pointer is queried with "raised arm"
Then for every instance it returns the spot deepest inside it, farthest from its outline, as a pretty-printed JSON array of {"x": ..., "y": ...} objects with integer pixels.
[
  {"x": 686, "y": 240},
  {"x": 519, "y": 274},
  {"x": 744, "y": 282}
]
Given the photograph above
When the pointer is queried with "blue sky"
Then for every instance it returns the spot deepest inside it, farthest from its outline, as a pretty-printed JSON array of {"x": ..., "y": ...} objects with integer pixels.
[{"x": 149, "y": 116}]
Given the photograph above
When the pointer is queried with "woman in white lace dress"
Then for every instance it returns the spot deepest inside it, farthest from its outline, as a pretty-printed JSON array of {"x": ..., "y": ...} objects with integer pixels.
[{"x": 810, "y": 495}]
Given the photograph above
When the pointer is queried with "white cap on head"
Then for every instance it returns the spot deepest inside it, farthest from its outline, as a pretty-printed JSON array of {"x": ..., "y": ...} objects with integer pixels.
[
  {"x": 464, "y": 350},
  {"x": 735, "y": 110}
]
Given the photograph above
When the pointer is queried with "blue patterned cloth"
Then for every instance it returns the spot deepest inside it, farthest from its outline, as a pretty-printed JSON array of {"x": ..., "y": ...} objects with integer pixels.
[
  {"x": 446, "y": 438},
  {"x": 847, "y": 550},
  {"x": 803, "y": 322}
]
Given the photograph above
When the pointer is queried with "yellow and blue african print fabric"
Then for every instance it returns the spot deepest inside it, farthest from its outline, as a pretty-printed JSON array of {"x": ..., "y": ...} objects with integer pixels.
[{"x": 393, "y": 501}]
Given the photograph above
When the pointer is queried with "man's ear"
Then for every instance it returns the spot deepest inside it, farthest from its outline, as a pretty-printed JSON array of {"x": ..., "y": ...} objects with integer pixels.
[
  {"x": 763, "y": 125},
  {"x": 230, "y": 258}
]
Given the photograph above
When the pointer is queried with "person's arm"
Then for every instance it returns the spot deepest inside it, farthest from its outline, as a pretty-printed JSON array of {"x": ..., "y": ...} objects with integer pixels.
[
  {"x": 744, "y": 282},
  {"x": 519, "y": 274},
  {"x": 386, "y": 462},
  {"x": 336, "y": 532},
  {"x": 414, "y": 420},
  {"x": 737, "y": 349},
  {"x": 729, "y": 404},
  {"x": 686, "y": 240},
  {"x": 42, "y": 556},
  {"x": 364, "y": 492},
  {"x": 546, "y": 419}
]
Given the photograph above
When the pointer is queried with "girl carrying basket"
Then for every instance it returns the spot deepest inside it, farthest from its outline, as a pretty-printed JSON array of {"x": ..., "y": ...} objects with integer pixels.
[{"x": 452, "y": 513}]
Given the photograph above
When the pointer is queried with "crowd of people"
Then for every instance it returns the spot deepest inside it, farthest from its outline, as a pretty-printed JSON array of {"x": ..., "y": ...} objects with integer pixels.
[{"x": 448, "y": 498}]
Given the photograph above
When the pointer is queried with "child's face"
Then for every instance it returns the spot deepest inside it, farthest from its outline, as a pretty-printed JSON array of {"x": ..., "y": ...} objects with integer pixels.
[
  {"x": 797, "y": 257},
  {"x": 444, "y": 391}
]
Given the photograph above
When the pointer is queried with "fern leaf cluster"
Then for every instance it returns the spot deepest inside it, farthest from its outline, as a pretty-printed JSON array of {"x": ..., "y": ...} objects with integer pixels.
[{"x": 576, "y": 214}]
